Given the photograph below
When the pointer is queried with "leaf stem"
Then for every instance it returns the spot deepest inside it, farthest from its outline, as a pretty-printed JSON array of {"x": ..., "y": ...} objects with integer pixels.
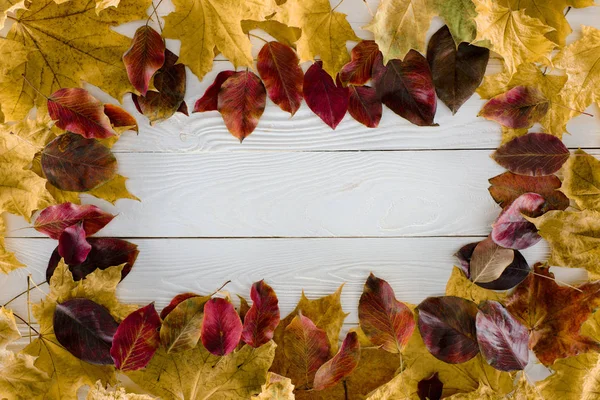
[
  {"x": 581, "y": 112},
  {"x": 29, "y": 305},
  {"x": 258, "y": 37},
  {"x": 221, "y": 288},
  {"x": 368, "y": 8},
  {"x": 556, "y": 280},
  {"x": 338, "y": 4},
  {"x": 21, "y": 294},
  {"x": 27, "y": 323},
  {"x": 155, "y": 12},
  {"x": 33, "y": 87}
]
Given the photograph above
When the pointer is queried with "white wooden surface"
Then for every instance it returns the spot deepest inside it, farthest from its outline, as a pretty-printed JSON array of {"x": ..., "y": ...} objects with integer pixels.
[{"x": 298, "y": 204}]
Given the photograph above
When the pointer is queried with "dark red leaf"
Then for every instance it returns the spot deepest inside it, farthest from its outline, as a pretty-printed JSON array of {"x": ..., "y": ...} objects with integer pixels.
[
  {"x": 75, "y": 164},
  {"x": 170, "y": 81},
  {"x": 54, "y": 219},
  {"x": 77, "y": 111},
  {"x": 386, "y": 321},
  {"x": 175, "y": 302},
  {"x": 85, "y": 329},
  {"x": 464, "y": 257},
  {"x": 406, "y": 88},
  {"x": 278, "y": 67},
  {"x": 222, "y": 327},
  {"x": 326, "y": 99},
  {"x": 341, "y": 365},
  {"x": 534, "y": 154},
  {"x": 359, "y": 70},
  {"x": 242, "y": 101},
  {"x": 72, "y": 245},
  {"x": 105, "y": 253},
  {"x": 137, "y": 339},
  {"x": 365, "y": 105},
  {"x": 447, "y": 325},
  {"x": 119, "y": 118},
  {"x": 519, "y": 108},
  {"x": 456, "y": 72},
  {"x": 507, "y": 187},
  {"x": 145, "y": 56},
  {"x": 430, "y": 388},
  {"x": 210, "y": 100},
  {"x": 512, "y": 230},
  {"x": 502, "y": 339},
  {"x": 263, "y": 317}
]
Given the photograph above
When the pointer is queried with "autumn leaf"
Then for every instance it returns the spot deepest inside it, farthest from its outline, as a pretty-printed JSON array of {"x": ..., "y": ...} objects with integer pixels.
[
  {"x": 99, "y": 392},
  {"x": 113, "y": 190},
  {"x": 203, "y": 25},
  {"x": 341, "y": 365},
  {"x": 7, "y": 7},
  {"x": 136, "y": 339},
  {"x": 324, "y": 32},
  {"x": 282, "y": 33},
  {"x": 582, "y": 180},
  {"x": 175, "y": 301},
  {"x": 573, "y": 238},
  {"x": 81, "y": 47},
  {"x": 72, "y": 155},
  {"x": 360, "y": 69},
  {"x": 72, "y": 245},
  {"x": 551, "y": 13},
  {"x": 430, "y": 388},
  {"x": 53, "y": 220},
  {"x": 278, "y": 67},
  {"x": 8, "y": 259},
  {"x": 460, "y": 286},
  {"x": 181, "y": 328},
  {"x": 511, "y": 229},
  {"x": 262, "y": 318},
  {"x": 210, "y": 99},
  {"x": 459, "y": 17},
  {"x": 517, "y": 37},
  {"x": 406, "y": 87},
  {"x": 456, "y": 71},
  {"x": 145, "y": 56},
  {"x": 518, "y": 108},
  {"x": 502, "y": 339},
  {"x": 364, "y": 104},
  {"x": 488, "y": 261},
  {"x": 387, "y": 322},
  {"x": 535, "y": 154},
  {"x": 196, "y": 374},
  {"x": 554, "y": 314},
  {"x": 120, "y": 120},
  {"x": 241, "y": 102},
  {"x": 326, "y": 98},
  {"x": 507, "y": 187},
  {"x": 277, "y": 387},
  {"x": 221, "y": 327},
  {"x": 401, "y": 25}
]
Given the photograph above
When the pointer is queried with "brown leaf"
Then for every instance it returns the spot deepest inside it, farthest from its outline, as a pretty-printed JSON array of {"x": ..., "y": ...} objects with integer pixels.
[
  {"x": 341, "y": 365},
  {"x": 145, "y": 56},
  {"x": 489, "y": 261},
  {"x": 360, "y": 69},
  {"x": 210, "y": 100}
]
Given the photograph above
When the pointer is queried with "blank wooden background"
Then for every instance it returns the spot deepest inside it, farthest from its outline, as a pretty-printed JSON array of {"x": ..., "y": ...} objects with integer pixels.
[{"x": 298, "y": 204}]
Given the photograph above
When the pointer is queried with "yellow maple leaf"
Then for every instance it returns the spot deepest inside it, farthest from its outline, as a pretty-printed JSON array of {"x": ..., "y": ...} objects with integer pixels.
[
  {"x": 582, "y": 180},
  {"x": 69, "y": 42},
  {"x": 324, "y": 32},
  {"x": 517, "y": 37},
  {"x": 100, "y": 4},
  {"x": 202, "y": 25},
  {"x": 277, "y": 387},
  {"x": 9, "y": 332},
  {"x": 196, "y": 374},
  {"x": 551, "y": 13},
  {"x": 6, "y": 7},
  {"x": 459, "y": 285},
  {"x": 581, "y": 62},
  {"x": 8, "y": 260},
  {"x": 99, "y": 392},
  {"x": 280, "y": 32},
  {"x": 401, "y": 25}
]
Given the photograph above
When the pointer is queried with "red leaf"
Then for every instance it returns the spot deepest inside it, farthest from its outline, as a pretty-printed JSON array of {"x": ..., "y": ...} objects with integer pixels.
[
  {"x": 145, "y": 56},
  {"x": 54, "y": 219},
  {"x": 242, "y": 101},
  {"x": 71, "y": 155},
  {"x": 431, "y": 388},
  {"x": 76, "y": 110},
  {"x": 534, "y": 154},
  {"x": 210, "y": 100},
  {"x": 447, "y": 325},
  {"x": 175, "y": 302},
  {"x": 120, "y": 118},
  {"x": 507, "y": 187},
  {"x": 137, "y": 339},
  {"x": 85, "y": 329},
  {"x": 512, "y": 230},
  {"x": 105, "y": 253},
  {"x": 263, "y": 317},
  {"x": 365, "y": 105},
  {"x": 72, "y": 245},
  {"x": 306, "y": 349},
  {"x": 222, "y": 327},
  {"x": 456, "y": 72},
  {"x": 326, "y": 99},
  {"x": 406, "y": 88},
  {"x": 341, "y": 365},
  {"x": 278, "y": 67},
  {"x": 386, "y": 321},
  {"x": 170, "y": 81},
  {"x": 359, "y": 70},
  {"x": 502, "y": 339},
  {"x": 519, "y": 108}
]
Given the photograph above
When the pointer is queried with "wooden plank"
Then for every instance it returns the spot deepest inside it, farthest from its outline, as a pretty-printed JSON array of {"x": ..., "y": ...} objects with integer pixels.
[
  {"x": 415, "y": 267},
  {"x": 298, "y": 194}
]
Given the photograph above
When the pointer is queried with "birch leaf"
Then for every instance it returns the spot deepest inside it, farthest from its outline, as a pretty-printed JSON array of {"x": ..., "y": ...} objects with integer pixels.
[
  {"x": 401, "y": 25},
  {"x": 324, "y": 32},
  {"x": 582, "y": 180},
  {"x": 514, "y": 35},
  {"x": 203, "y": 25}
]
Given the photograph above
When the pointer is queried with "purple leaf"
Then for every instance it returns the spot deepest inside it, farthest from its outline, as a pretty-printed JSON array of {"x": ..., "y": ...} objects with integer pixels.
[
  {"x": 512, "y": 230},
  {"x": 72, "y": 245}
]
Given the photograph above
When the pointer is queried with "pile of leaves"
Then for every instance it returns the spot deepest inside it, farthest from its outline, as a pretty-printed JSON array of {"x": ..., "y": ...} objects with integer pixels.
[{"x": 497, "y": 314}]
